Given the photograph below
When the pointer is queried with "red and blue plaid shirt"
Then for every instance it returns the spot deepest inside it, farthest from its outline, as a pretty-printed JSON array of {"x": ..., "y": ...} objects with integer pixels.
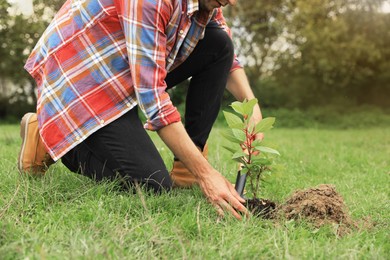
[{"x": 99, "y": 58}]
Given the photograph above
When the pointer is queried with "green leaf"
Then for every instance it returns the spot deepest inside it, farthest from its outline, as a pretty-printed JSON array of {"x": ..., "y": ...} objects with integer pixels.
[
  {"x": 233, "y": 121},
  {"x": 229, "y": 149},
  {"x": 238, "y": 107},
  {"x": 230, "y": 136},
  {"x": 248, "y": 106},
  {"x": 256, "y": 142},
  {"x": 265, "y": 125},
  {"x": 240, "y": 160},
  {"x": 254, "y": 167},
  {"x": 265, "y": 149},
  {"x": 244, "y": 171},
  {"x": 239, "y": 134},
  {"x": 239, "y": 154},
  {"x": 262, "y": 161}
]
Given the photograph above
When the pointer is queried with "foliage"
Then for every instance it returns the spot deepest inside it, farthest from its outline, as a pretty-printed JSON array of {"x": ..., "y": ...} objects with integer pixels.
[
  {"x": 256, "y": 24},
  {"x": 4, "y": 34},
  {"x": 249, "y": 151},
  {"x": 315, "y": 52},
  {"x": 341, "y": 51},
  {"x": 18, "y": 36}
]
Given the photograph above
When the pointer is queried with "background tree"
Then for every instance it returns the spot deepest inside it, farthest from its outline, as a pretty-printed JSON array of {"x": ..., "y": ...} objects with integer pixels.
[
  {"x": 4, "y": 31},
  {"x": 18, "y": 36},
  {"x": 257, "y": 28},
  {"x": 305, "y": 53},
  {"x": 340, "y": 53}
]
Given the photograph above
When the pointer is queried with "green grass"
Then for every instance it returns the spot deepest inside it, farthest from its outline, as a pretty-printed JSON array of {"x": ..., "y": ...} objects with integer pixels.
[{"x": 67, "y": 216}]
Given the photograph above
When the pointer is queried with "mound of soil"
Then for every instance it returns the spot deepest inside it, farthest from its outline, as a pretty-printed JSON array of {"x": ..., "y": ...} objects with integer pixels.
[{"x": 319, "y": 205}]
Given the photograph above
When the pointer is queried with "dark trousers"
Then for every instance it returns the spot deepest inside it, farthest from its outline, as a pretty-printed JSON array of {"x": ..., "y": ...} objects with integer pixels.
[{"x": 123, "y": 150}]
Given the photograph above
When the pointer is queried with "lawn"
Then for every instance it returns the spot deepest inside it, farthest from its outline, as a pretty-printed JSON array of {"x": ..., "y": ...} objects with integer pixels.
[{"x": 66, "y": 216}]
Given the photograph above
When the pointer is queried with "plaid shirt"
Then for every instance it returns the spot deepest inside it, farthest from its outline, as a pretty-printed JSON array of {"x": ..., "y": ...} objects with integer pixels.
[{"x": 99, "y": 58}]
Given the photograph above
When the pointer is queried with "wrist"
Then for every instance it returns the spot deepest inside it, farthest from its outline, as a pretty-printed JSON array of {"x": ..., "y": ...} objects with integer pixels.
[
  {"x": 201, "y": 169},
  {"x": 257, "y": 115}
]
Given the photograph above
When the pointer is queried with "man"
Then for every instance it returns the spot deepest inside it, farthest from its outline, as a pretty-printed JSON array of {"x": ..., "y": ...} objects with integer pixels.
[{"x": 99, "y": 60}]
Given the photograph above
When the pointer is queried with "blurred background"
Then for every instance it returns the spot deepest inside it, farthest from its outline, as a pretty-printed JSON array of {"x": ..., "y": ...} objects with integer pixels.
[{"x": 310, "y": 63}]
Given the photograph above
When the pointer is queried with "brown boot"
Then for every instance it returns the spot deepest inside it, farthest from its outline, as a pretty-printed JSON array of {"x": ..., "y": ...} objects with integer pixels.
[
  {"x": 33, "y": 158},
  {"x": 181, "y": 176}
]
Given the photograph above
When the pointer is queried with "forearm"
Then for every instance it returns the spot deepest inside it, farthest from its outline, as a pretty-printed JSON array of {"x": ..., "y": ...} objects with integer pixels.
[
  {"x": 238, "y": 86},
  {"x": 178, "y": 141}
]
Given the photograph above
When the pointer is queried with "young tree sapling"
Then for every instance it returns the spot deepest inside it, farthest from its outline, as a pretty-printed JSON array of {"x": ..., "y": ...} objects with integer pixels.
[{"x": 254, "y": 158}]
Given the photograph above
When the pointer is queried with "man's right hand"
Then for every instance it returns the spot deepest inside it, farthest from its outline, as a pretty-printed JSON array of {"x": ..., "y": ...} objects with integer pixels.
[{"x": 222, "y": 194}]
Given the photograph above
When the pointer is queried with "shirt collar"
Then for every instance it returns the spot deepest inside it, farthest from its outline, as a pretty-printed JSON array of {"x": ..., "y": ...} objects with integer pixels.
[
  {"x": 192, "y": 7},
  {"x": 202, "y": 16}
]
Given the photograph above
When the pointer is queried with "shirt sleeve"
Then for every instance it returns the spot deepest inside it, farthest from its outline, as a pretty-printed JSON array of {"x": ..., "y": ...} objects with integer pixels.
[
  {"x": 144, "y": 23},
  {"x": 219, "y": 19}
]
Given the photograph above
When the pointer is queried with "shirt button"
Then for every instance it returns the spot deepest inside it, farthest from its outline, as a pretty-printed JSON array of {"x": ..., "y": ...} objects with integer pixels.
[
  {"x": 128, "y": 104},
  {"x": 181, "y": 31},
  {"x": 78, "y": 138},
  {"x": 101, "y": 122}
]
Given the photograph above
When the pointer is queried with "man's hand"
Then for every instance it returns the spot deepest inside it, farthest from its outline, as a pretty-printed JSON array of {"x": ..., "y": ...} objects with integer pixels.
[
  {"x": 215, "y": 187},
  {"x": 222, "y": 194}
]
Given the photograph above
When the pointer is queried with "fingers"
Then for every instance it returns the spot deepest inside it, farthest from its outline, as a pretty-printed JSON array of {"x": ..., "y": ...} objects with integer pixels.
[
  {"x": 222, "y": 195},
  {"x": 234, "y": 208},
  {"x": 236, "y": 201},
  {"x": 219, "y": 210},
  {"x": 222, "y": 206},
  {"x": 235, "y": 193},
  {"x": 236, "y": 205},
  {"x": 227, "y": 207},
  {"x": 230, "y": 203}
]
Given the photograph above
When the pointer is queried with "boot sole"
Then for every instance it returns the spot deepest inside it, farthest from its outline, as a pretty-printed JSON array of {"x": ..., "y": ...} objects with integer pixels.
[{"x": 23, "y": 134}]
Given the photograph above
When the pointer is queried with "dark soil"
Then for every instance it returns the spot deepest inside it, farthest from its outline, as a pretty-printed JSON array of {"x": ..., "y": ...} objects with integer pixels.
[
  {"x": 319, "y": 205},
  {"x": 261, "y": 207}
]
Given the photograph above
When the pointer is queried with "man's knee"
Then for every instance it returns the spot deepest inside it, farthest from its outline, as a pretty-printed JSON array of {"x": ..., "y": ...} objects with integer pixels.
[
  {"x": 229, "y": 46},
  {"x": 221, "y": 42}
]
